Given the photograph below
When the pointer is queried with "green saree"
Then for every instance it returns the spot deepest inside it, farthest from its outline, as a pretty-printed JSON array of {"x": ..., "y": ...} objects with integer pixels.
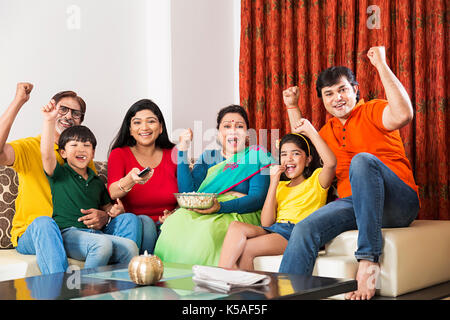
[{"x": 192, "y": 238}]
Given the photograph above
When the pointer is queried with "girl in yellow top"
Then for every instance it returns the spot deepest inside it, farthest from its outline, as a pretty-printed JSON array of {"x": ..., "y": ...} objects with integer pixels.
[{"x": 287, "y": 202}]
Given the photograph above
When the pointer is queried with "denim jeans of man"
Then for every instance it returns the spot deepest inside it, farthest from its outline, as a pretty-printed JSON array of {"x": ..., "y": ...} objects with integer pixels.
[
  {"x": 379, "y": 200},
  {"x": 118, "y": 242},
  {"x": 43, "y": 239}
]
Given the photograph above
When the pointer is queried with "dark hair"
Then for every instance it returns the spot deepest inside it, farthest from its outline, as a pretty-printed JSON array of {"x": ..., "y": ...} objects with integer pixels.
[
  {"x": 234, "y": 108},
  {"x": 124, "y": 138},
  {"x": 331, "y": 76},
  {"x": 76, "y": 133},
  {"x": 301, "y": 143},
  {"x": 71, "y": 94}
]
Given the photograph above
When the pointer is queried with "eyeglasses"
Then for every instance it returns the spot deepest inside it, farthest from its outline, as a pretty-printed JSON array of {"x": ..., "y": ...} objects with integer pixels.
[{"x": 76, "y": 114}]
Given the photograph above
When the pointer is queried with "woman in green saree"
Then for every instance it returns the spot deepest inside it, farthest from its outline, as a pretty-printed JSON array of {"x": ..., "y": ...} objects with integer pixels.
[{"x": 236, "y": 172}]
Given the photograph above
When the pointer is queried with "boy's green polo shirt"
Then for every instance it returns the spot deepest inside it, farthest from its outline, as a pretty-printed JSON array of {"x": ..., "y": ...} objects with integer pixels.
[{"x": 71, "y": 193}]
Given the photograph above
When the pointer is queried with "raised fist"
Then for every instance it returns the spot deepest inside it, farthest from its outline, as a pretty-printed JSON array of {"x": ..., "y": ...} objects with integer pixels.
[
  {"x": 290, "y": 97},
  {"x": 303, "y": 126},
  {"x": 49, "y": 111},
  {"x": 185, "y": 140},
  {"x": 23, "y": 91},
  {"x": 377, "y": 56}
]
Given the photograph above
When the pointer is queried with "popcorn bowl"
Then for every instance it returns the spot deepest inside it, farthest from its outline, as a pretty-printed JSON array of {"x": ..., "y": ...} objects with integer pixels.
[{"x": 195, "y": 200}]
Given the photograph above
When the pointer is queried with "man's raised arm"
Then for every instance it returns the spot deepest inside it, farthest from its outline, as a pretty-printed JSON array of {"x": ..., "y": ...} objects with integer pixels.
[
  {"x": 399, "y": 111},
  {"x": 7, "y": 155}
]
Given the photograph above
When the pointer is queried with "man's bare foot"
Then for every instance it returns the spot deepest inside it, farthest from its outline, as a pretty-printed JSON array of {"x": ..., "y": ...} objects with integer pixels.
[{"x": 366, "y": 277}]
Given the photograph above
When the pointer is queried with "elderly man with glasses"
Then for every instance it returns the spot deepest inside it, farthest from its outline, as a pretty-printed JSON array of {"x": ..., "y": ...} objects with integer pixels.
[{"x": 33, "y": 229}]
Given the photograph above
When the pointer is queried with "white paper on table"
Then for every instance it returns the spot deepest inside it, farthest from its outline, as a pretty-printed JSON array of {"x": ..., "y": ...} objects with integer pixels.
[{"x": 227, "y": 279}]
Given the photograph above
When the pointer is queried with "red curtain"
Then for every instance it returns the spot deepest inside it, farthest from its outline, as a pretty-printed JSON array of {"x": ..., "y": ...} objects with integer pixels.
[{"x": 289, "y": 42}]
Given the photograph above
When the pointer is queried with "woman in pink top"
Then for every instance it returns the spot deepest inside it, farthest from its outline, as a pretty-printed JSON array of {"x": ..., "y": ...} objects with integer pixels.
[{"x": 143, "y": 142}]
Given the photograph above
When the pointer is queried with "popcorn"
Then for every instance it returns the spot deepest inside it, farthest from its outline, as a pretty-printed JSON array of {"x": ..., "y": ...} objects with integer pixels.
[{"x": 195, "y": 200}]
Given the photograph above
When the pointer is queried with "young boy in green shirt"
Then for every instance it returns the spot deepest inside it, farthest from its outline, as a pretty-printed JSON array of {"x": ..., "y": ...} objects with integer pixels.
[{"x": 76, "y": 190}]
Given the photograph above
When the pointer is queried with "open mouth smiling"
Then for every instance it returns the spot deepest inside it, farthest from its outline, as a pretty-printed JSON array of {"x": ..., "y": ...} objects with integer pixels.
[
  {"x": 145, "y": 134},
  {"x": 340, "y": 106},
  {"x": 290, "y": 167},
  {"x": 232, "y": 140},
  {"x": 66, "y": 123}
]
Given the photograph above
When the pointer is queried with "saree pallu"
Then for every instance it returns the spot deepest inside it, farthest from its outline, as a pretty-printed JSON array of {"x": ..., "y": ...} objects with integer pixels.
[{"x": 192, "y": 238}]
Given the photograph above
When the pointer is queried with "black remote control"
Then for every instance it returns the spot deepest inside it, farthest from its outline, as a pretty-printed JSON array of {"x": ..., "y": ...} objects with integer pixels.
[{"x": 144, "y": 172}]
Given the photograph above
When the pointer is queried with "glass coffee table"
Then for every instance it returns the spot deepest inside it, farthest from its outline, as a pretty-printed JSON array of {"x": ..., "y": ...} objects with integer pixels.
[{"x": 113, "y": 283}]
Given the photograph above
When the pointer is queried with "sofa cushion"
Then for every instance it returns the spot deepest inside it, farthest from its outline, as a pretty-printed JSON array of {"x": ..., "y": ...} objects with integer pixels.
[
  {"x": 14, "y": 265},
  {"x": 413, "y": 258},
  {"x": 9, "y": 183},
  {"x": 102, "y": 170}
]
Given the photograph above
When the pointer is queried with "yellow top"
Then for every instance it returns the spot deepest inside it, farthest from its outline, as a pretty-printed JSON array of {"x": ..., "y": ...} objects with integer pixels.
[
  {"x": 296, "y": 203},
  {"x": 34, "y": 198}
]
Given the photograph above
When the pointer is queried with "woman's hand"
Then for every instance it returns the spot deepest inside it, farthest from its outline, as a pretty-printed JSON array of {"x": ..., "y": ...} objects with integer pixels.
[
  {"x": 236, "y": 194},
  {"x": 185, "y": 140},
  {"x": 126, "y": 183},
  {"x": 166, "y": 213},
  {"x": 133, "y": 175},
  {"x": 116, "y": 209},
  {"x": 215, "y": 207}
]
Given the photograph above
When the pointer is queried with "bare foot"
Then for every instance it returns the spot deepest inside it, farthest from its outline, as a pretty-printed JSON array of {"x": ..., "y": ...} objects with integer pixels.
[{"x": 366, "y": 277}]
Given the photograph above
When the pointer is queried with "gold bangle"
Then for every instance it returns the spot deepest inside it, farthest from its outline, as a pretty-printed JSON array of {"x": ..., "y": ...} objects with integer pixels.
[{"x": 122, "y": 189}]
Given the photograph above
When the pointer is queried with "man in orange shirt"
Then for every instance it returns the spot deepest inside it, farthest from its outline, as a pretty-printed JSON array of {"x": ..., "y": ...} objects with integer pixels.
[{"x": 374, "y": 177}]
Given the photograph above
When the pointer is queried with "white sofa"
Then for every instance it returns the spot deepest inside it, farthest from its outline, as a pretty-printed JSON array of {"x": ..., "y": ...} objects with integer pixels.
[
  {"x": 413, "y": 258},
  {"x": 14, "y": 265}
]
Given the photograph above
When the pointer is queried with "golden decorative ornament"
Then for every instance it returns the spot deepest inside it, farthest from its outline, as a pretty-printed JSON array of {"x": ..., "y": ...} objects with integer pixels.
[{"x": 145, "y": 269}]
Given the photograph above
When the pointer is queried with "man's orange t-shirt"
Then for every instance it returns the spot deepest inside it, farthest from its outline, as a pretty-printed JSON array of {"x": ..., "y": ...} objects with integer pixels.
[{"x": 364, "y": 132}]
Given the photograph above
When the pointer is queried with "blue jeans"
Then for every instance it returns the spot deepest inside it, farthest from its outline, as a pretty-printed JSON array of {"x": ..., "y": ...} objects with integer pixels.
[
  {"x": 149, "y": 234},
  {"x": 379, "y": 200},
  {"x": 117, "y": 242},
  {"x": 284, "y": 229},
  {"x": 41, "y": 288},
  {"x": 43, "y": 239}
]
